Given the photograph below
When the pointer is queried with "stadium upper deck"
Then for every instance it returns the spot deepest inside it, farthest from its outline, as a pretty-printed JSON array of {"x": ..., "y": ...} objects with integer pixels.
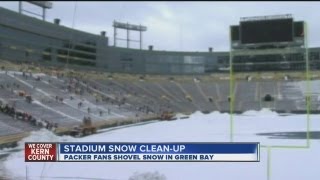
[{"x": 24, "y": 38}]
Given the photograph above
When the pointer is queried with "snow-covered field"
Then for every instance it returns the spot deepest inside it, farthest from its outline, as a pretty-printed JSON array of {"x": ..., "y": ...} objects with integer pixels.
[{"x": 291, "y": 163}]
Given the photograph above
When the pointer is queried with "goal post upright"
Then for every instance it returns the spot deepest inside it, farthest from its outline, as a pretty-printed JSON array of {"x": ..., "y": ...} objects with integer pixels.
[
  {"x": 308, "y": 86},
  {"x": 286, "y": 52},
  {"x": 231, "y": 85}
]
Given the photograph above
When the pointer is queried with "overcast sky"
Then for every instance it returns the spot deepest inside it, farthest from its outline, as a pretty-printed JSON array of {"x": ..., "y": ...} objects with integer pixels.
[{"x": 176, "y": 26}]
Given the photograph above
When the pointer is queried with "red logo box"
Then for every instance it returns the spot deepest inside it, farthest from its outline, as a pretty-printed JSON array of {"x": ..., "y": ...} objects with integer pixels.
[{"x": 40, "y": 152}]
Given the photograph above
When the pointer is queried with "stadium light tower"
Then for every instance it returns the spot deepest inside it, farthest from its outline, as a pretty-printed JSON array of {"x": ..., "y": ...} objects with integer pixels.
[
  {"x": 43, "y": 4},
  {"x": 128, "y": 27}
]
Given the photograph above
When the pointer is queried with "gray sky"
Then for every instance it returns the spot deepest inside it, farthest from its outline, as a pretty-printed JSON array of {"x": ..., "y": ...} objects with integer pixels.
[{"x": 176, "y": 26}]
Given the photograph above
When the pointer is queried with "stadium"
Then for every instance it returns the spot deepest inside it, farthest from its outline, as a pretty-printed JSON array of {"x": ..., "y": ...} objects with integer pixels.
[{"x": 62, "y": 84}]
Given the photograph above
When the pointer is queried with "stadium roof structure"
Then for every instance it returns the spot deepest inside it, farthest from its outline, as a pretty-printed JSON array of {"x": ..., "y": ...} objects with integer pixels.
[{"x": 271, "y": 17}]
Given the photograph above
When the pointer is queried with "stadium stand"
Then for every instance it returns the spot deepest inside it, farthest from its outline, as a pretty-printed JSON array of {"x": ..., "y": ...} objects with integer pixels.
[{"x": 50, "y": 88}]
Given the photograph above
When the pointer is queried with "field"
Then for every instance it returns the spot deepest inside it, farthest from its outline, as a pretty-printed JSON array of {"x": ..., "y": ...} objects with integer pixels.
[{"x": 288, "y": 158}]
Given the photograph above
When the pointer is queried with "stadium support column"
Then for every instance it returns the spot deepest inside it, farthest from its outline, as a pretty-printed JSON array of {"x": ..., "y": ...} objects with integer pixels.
[
  {"x": 44, "y": 14},
  {"x": 20, "y": 7},
  {"x": 128, "y": 36},
  {"x": 114, "y": 36},
  {"x": 140, "y": 38}
]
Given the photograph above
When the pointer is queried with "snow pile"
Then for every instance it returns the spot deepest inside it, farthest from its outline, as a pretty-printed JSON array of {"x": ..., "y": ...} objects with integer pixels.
[
  {"x": 35, "y": 75},
  {"x": 45, "y": 135},
  {"x": 147, "y": 176},
  {"x": 314, "y": 86},
  {"x": 263, "y": 112},
  {"x": 42, "y": 135}
]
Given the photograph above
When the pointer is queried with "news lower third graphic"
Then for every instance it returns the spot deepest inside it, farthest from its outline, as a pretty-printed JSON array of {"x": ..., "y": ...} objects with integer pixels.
[{"x": 142, "y": 152}]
